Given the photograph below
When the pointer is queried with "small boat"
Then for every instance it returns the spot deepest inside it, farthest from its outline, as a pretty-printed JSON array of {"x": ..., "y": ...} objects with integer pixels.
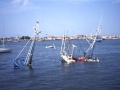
[
  {"x": 49, "y": 47},
  {"x": 53, "y": 46},
  {"x": 65, "y": 56},
  {"x": 92, "y": 60},
  {"x": 3, "y": 49}
]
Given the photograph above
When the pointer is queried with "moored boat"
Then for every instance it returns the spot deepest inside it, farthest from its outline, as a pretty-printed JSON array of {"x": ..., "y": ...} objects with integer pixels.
[
  {"x": 52, "y": 46},
  {"x": 3, "y": 49}
]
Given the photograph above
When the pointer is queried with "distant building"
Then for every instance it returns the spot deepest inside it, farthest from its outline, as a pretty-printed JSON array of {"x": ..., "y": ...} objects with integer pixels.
[
  {"x": 50, "y": 38},
  {"x": 59, "y": 38},
  {"x": 80, "y": 36}
]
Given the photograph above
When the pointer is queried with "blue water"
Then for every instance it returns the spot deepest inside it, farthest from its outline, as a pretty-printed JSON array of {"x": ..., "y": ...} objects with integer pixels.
[{"x": 48, "y": 73}]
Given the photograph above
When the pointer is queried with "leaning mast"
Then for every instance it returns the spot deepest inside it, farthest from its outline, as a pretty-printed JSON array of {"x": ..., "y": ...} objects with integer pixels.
[{"x": 28, "y": 60}]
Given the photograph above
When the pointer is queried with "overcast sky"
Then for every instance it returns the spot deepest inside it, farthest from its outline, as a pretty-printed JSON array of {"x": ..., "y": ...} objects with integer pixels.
[{"x": 74, "y": 16}]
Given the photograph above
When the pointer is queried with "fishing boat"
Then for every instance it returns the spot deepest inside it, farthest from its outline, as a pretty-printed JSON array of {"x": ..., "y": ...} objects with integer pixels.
[
  {"x": 3, "y": 49},
  {"x": 18, "y": 61},
  {"x": 65, "y": 56},
  {"x": 88, "y": 55}
]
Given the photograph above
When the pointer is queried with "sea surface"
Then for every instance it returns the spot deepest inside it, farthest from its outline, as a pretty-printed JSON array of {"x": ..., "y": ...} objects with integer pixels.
[{"x": 49, "y": 73}]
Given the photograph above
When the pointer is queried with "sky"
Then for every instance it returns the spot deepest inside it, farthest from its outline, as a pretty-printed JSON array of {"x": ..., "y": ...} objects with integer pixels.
[{"x": 74, "y": 17}]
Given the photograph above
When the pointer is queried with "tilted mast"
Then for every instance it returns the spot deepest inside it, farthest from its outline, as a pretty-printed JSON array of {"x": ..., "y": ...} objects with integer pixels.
[
  {"x": 28, "y": 60},
  {"x": 92, "y": 44}
]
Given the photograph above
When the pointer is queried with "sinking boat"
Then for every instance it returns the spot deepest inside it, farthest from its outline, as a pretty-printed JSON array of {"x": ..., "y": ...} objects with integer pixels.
[
  {"x": 18, "y": 61},
  {"x": 65, "y": 56},
  {"x": 88, "y": 55}
]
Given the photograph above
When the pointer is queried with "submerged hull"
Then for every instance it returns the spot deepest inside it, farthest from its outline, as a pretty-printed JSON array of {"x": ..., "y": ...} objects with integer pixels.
[{"x": 4, "y": 50}]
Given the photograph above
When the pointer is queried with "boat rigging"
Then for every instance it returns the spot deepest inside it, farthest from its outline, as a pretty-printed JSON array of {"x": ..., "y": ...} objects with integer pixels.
[
  {"x": 88, "y": 55},
  {"x": 65, "y": 56},
  {"x": 19, "y": 62}
]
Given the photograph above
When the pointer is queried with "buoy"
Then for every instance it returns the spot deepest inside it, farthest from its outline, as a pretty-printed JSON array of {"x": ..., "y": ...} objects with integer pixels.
[{"x": 80, "y": 59}]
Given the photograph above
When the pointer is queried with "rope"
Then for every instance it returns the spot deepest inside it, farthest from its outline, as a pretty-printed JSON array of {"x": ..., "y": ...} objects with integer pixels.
[{"x": 59, "y": 24}]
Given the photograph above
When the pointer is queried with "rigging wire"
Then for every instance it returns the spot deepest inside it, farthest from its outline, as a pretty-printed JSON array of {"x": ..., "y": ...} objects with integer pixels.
[
  {"x": 58, "y": 24},
  {"x": 24, "y": 47}
]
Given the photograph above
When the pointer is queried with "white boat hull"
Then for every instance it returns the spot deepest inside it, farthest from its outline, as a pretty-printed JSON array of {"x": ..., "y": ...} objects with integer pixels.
[
  {"x": 49, "y": 47},
  {"x": 67, "y": 59},
  {"x": 91, "y": 60},
  {"x": 4, "y": 50}
]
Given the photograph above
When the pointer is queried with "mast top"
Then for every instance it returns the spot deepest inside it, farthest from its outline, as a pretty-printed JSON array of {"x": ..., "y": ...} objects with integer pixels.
[{"x": 37, "y": 22}]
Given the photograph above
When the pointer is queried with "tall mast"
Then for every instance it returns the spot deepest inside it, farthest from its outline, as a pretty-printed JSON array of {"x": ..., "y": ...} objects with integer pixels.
[
  {"x": 92, "y": 45},
  {"x": 28, "y": 60},
  {"x": 3, "y": 33},
  {"x": 73, "y": 48},
  {"x": 100, "y": 24}
]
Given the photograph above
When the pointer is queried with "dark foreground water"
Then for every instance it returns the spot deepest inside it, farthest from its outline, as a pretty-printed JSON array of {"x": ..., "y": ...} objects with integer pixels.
[{"x": 48, "y": 73}]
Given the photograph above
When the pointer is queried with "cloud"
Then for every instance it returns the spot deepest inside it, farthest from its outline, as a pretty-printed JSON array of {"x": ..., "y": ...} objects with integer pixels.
[{"x": 17, "y": 6}]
